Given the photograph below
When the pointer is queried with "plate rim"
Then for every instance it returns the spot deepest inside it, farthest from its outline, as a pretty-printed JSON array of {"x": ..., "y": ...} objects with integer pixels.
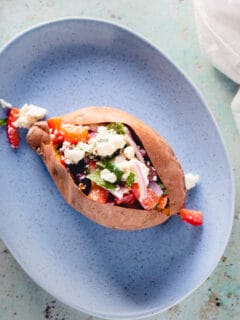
[{"x": 20, "y": 261}]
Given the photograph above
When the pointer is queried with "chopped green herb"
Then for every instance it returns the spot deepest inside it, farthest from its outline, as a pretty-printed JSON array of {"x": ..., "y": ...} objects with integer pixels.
[
  {"x": 87, "y": 171},
  {"x": 111, "y": 167},
  {"x": 3, "y": 122},
  {"x": 91, "y": 156},
  {"x": 101, "y": 165},
  {"x": 164, "y": 190},
  {"x": 118, "y": 173},
  {"x": 95, "y": 177},
  {"x": 130, "y": 179},
  {"x": 117, "y": 126}
]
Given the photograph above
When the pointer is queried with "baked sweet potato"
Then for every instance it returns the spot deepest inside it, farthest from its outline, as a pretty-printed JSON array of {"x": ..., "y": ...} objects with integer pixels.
[{"x": 113, "y": 214}]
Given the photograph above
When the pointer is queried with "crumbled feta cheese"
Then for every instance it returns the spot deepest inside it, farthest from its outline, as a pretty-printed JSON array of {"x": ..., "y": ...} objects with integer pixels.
[
  {"x": 124, "y": 176},
  {"x": 119, "y": 159},
  {"x": 74, "y": 128},
  {"x": 69, "y": 126},
  {"x": 106, "y": 142},
  {"x": 119, "y": 192},
  {"x": 5, "y": 104},
  {"x": 84, "y": 146},
  {"x": 73, "y": 156},
  {"x": 108, "y": 176},
  {"x": 102, "y": 130},
  {"x": 130, "y": 166},
  {"x": 65, "y": 145},
  {"x": 124, "y": 166},
  {"x": 191, "y": 180},
  {"x": 28, "y": 115},
  {"x": 129, "y": 152}
]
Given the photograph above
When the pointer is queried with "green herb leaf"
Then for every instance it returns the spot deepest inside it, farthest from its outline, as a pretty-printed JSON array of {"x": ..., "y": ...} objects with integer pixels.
[
  {"x": 130, "y": 179},
  {"x": 3, "y": 122},
  {"x": 116, "y": 126},
  {"x": 118, "y": 173},
  {"x": 95, "y": 177},
  {"x": 101, "y": 164},
  {"x": 164, "y": 190},
  {"x": 111, "y": 167}
]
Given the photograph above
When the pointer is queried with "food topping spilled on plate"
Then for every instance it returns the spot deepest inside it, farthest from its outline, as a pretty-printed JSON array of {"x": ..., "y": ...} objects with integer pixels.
[{"x": 19, "y": 118}]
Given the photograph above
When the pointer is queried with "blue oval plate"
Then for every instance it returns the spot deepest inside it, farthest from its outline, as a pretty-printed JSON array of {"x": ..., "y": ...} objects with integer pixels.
[{"x": 73, "y": 63}]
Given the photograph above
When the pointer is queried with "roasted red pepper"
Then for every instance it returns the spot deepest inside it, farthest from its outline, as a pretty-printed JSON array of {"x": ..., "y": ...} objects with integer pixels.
[
  {"x": 98, "y": 194},
  {"x": 150, "y": 202},
  {"x": 127, "y": 199},
  {"x": 192, "y": 216},
  {"x": 11, "y": 130},
  {"x": 59, "y": 133}
]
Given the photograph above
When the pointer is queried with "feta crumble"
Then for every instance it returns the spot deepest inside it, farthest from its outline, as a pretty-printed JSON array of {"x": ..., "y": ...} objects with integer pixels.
[
  {"x": 28, "y": 115},
  {"x": 106, "y": 142},
  {"x": 5, "y": 104},
  {"x": 129, "y": 152},
  {"x": 191, "y": 180},
  {"x": 128, "y": 166},
  {"x": 73, "y": 156},
  {"x": 108, "y": 176}
]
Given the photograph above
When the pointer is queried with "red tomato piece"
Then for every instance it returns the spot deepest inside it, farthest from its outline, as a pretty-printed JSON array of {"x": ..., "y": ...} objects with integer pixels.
[
  {"x": 11, "y": 130},
  {"x": 92, "y": 166},
  {"x": 135, "y": 190},
  {"x": 127, "y": 199},
  {"x": 151, "y": 200},
  {"x": 98, "y": 194},
  {"x": 193, "y": 217}
]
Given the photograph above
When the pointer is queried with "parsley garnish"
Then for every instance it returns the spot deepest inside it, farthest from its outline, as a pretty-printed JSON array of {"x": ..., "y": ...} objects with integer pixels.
[
  {"x": 95, "y": 177},
  {"x": 111, "y": 167},
  {"x": 3, "y": 122},
  {"x": 164, "y": 190},
  {"x": 117, "y": 127},
  {"x": 130, "y": 179}
]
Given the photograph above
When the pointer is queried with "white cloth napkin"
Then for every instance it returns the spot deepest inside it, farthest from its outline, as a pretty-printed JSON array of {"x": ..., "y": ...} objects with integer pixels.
[{"x": 218, "y": 27}]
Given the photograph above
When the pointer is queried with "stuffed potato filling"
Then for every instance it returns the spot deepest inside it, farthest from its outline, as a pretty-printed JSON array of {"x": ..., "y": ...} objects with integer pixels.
[{"x": 109, "y": 164}]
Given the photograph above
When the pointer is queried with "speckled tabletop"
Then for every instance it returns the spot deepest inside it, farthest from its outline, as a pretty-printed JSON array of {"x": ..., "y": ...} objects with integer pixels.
[{"x": 169, "y": 24}]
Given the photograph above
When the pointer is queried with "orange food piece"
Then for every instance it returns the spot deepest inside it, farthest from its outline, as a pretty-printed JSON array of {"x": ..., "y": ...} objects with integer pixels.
[
  {"x": 54, "y": 123},
  {"x": 72, "y": 134},
  {"x": 75, "y": 134},
  {"x": 163, "y": 200}
]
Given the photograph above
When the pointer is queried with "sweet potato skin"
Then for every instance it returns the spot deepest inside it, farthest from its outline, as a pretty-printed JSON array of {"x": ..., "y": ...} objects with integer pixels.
[{"x": 160, "y": 153}]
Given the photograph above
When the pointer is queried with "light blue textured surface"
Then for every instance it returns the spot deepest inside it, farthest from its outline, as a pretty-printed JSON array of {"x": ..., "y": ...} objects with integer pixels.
[{"x": 20, "y": 298}]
